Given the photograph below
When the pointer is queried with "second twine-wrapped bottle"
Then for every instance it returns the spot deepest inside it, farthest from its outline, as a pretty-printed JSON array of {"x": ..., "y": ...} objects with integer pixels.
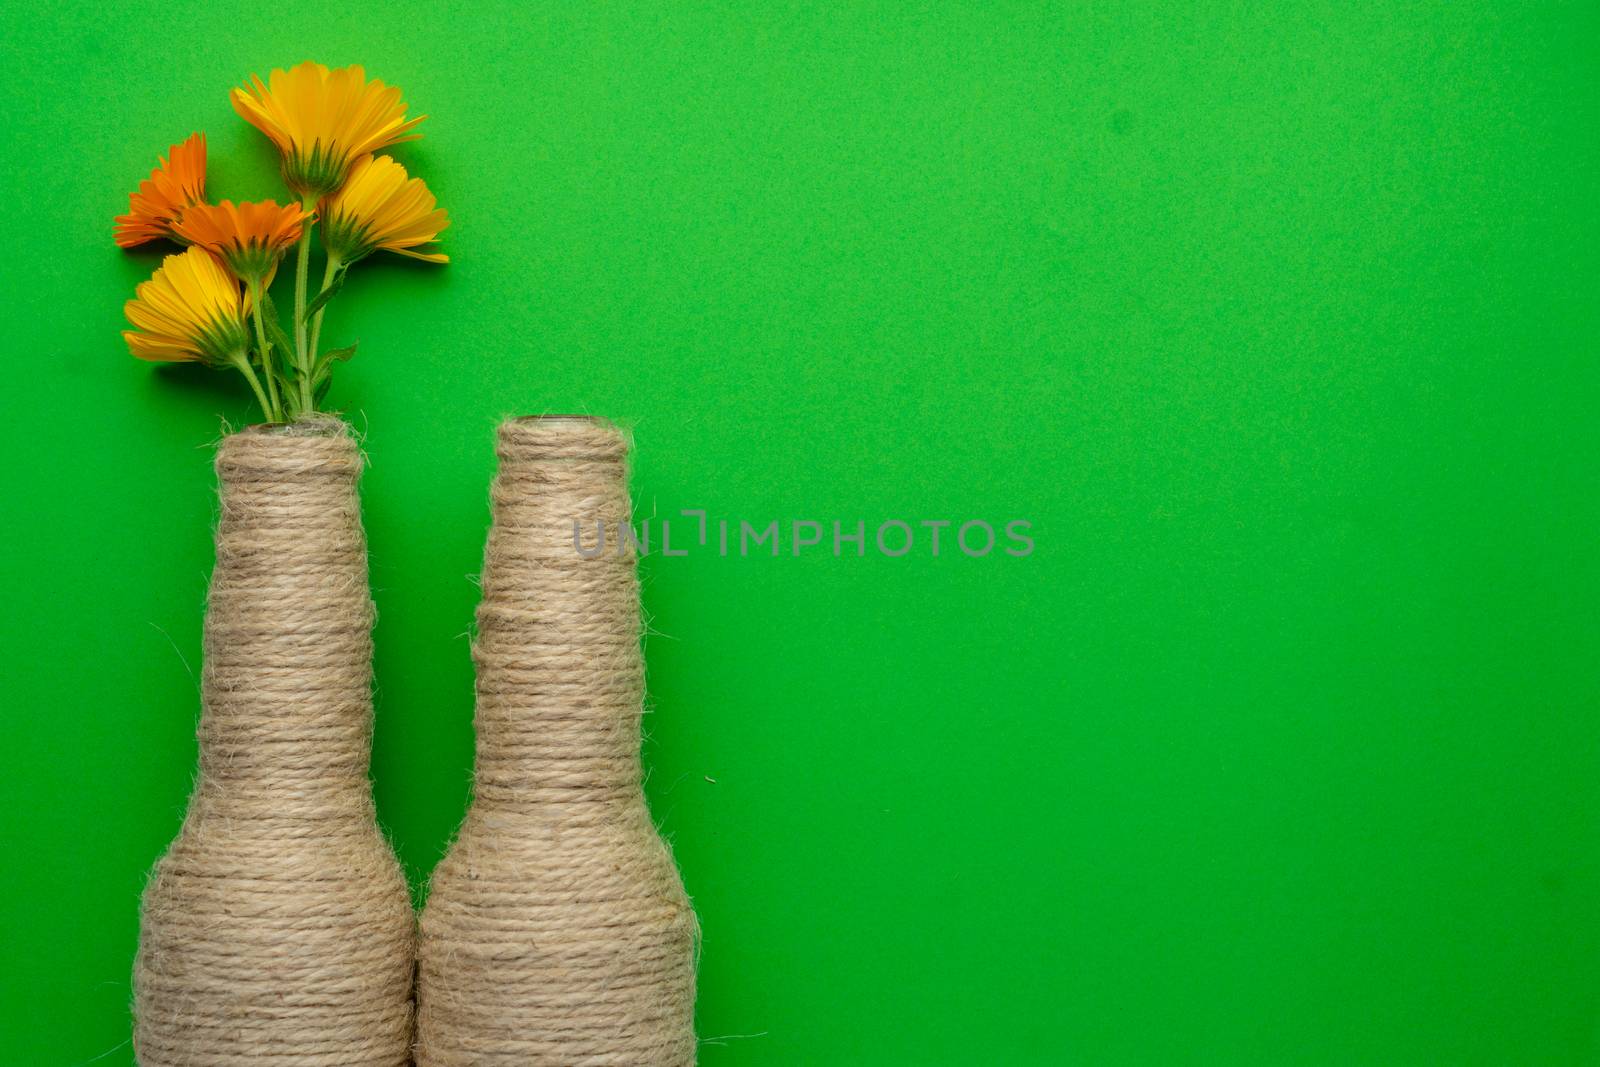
[{"x": 557, "y": 930}]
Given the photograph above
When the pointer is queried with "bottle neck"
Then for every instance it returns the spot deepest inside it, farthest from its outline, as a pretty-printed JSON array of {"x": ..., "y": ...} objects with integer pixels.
[
  {"x": 559, "y": 667},
  {"x": 288, "y": 637}
]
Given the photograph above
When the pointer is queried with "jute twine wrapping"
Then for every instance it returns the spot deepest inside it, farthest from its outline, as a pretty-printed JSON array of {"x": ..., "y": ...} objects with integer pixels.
[
  {"x": 278, "y": 928},
  {"x": 557, "y": 930}
]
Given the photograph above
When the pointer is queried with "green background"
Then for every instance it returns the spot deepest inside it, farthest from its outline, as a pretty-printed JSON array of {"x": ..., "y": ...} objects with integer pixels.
[{"x": 1280, "y": 326}]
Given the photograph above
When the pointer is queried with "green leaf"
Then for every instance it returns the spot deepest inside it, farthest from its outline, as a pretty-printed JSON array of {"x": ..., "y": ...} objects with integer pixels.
[
  {"x": 325, "y": 362},
  {"x": 275, "y": 335},
  {"x": 288, "y": 392},
  {"x": 323, "y": 297}
]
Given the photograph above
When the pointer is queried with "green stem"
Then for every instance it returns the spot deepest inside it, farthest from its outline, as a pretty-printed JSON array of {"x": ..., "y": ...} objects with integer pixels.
[
  {"x": 242, "y": 361},
  {"x": 276, "y": 414},
  {"x": 335, "y": 265},
  {"x": 301, "y": 268}
]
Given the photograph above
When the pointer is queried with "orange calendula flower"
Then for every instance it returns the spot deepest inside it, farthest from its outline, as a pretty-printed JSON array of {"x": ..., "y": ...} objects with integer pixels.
[
  {"x": 249, "y": 237},
  {"x": 323, "y": 121},
  {"x": 380, "y": 207},
  {"x": 190, "y": 310},
  {"x": 178, "y": 181}
]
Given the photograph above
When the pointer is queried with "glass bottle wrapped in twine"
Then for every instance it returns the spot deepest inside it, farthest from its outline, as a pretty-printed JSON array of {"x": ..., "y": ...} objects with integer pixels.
[
  {"x": 557, "y": 930},
  {"x": 278, "y": 927}
]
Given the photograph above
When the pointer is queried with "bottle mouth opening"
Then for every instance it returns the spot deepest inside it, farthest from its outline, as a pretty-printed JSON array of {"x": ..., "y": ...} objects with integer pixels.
[
  {"x": 561, "y": 438},
  {"x": 318, "y": 425}
]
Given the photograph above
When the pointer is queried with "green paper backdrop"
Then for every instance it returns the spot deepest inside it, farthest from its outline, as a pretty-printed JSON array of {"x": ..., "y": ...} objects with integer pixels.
[{"x": 1280, "y": 327}]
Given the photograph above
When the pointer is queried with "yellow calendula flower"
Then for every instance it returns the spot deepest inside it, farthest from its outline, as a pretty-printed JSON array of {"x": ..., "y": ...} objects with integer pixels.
[
  {"x": 380, "y": 207},
  {"x": 190, "y": 310},
  {"x": 249, "y": 237},
  {"x": 178, "y": 181},
  {"x": 323, "y": 121}
]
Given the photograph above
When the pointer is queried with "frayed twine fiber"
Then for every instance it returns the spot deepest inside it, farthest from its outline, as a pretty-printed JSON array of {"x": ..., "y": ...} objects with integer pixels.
[
  {"x": 557, "y": 930},
  {"x": 278, "y": 928}
]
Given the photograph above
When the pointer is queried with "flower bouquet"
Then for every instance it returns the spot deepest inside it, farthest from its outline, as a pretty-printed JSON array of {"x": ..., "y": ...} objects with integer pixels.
[{"x": 212, "y": 304}]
